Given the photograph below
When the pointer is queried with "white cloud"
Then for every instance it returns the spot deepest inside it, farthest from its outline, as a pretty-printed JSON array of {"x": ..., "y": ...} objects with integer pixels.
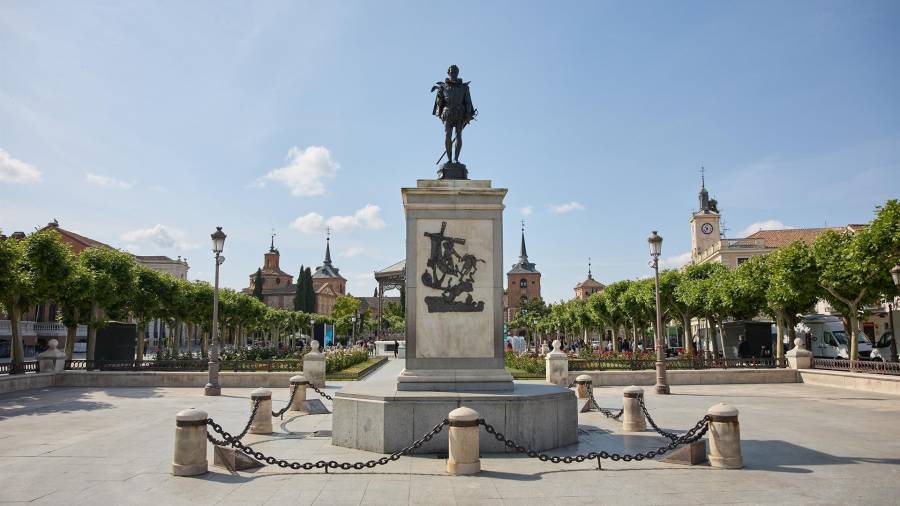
[
  {"x": 763, "y": 225},
  {"x": 675, "y": 261},
  {"x": 368, "y": 217},
  {"x": 305, "y": 172},
  {"x": 361, "y": 285},
  {"x": 158, "y": 236},
  {"x": 353, "y": 251},
  {"x": 526, "y": 211},
  {"x": 106, "y": 181},
  {"x": 13, "y": 170},
  {"x": 566, "y": 208}
]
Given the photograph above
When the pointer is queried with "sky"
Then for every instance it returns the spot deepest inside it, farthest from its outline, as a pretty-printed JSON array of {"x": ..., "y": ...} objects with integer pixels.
[{"x": 147, "y": 124}]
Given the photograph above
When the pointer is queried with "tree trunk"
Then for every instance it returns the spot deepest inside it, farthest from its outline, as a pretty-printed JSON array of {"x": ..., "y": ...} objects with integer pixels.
[
  {"x": 204, "y": 346},
  {"x": 177, "y": 336},
  {"x": 17, "y": 366},
  {"x": 688, "y": 336},
  {"x": 615, "y": 338},
  {"x": 854, "y": 345},
  {"x": 92, "y": 331},
  {"x": 779, "y": 335},
  {"x": 141, "y": 333},
  {"x": 71, "y": 336}
]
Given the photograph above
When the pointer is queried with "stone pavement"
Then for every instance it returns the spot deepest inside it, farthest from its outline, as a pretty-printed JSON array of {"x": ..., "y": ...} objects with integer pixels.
[{"x": 802, "y": 445}]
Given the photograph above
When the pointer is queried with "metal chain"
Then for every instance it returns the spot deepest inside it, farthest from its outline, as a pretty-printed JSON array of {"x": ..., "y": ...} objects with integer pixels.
[
  {"x": 280, "y": 413},
  {"x": 608, "y": 413},
  {"x": 229, "y": 440},
  {"x": 695, "y": 434},
  {"x": 323, "y": 394},
  {"x": 670, "y": 435}
]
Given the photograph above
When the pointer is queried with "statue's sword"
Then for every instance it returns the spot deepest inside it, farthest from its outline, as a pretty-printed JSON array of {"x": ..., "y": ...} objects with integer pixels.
[{"x": 445, "y": 150}]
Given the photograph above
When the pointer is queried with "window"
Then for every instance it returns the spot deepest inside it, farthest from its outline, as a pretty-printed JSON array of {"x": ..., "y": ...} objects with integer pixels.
[
  {"x": 741, "y": 260},
  {"x": 277, "y": 281},
  {"x": 523, "y": 283}
]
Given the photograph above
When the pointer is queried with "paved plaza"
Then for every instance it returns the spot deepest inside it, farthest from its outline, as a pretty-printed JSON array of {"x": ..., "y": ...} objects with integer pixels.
[{"x": 801, "y": 444}]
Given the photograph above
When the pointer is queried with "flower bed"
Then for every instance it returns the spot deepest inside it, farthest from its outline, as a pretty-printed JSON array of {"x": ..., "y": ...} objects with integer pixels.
[
  {"x": 338, "y": 359},
  {"x": 526, "y": 362}
]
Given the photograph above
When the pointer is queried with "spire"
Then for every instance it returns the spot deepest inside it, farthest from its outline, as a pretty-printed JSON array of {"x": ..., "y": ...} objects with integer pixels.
[
  {"x": 704, "y": 195},
  {"x": 272, "y": 244},
  {"x": 590, "y": 276},
  {"x": 523, "y": 254},
  {"x": 328, "y": 247}
]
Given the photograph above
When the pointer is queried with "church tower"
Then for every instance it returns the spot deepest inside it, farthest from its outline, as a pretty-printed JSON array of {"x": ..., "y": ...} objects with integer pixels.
[{"x": 705, "y": 230}]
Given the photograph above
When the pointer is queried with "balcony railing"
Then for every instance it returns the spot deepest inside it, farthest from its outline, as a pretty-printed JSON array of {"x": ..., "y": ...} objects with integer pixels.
[{"x": 40, "y": 329}]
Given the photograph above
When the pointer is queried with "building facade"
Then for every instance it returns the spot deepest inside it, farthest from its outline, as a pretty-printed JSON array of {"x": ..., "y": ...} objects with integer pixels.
[
  {"x": 523, "y": 281},
  {"x": 278, "y": 288},
  {"x": 589, "y": 286},
  {"x": 328, "y": 283}
]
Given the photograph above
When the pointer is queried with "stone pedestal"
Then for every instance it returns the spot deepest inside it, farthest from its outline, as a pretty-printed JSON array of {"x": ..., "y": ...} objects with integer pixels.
[
  {"x": 190, "y": 443},
  {"x": 262, "y": 420},
  {"x": 799, "y": 357},
  {"x": 557, "y": 366},
  {"x": 314, "y": 366},
  {"x": 724, "y": 437},
  {"x": 463, "y": 456},
  {"x": 454, "y": 287},
  {"x": 52, "y": 360},
  {"x": 633, "y": 419}
]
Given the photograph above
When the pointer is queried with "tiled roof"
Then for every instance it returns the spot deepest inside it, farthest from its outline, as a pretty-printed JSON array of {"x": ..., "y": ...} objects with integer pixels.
[
  {"x": 781, "y": 238},
  {"x": 590, "y": 282}
]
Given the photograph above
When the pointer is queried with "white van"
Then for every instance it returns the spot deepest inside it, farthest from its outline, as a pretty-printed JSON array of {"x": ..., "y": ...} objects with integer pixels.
[
  {"x": 827, "y": 338},
  {"x": 882, "y": 347}
]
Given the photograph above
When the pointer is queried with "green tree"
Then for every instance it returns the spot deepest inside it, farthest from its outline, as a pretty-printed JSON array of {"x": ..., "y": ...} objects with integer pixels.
[
  {"x": 17, "y": 291},
  {"x": 113, "y": 282},
  {"x": 146, "y": 303},
  {"x": 76, "y": 293},
  {"x": 258, "y": 285},
  {"x": 300, "y": 292},
  {"x": 696, "y": 292},
  {"x": 345, "y": 308},
  {"x": 310, "y": 291},
  {"x": 668, "y": 284},
  {"x": 612, "y": 300}
]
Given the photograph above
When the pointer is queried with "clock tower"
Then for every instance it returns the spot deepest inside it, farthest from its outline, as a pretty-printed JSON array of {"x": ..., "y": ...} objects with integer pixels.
[{"x": 705, "y": 231}]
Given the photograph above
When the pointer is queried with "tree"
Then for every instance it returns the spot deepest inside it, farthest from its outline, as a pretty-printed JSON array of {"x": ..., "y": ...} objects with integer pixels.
[
  {"x": 742, "y": 291},
  {"x": 854, "y": 267},
  {"x": 612, "y": 301},
  {"x": 528, "y": 314},
  {"x": 146, "y": 303},
  {"x": 345, "y": 308},
  {"x": 300, "y": 293},
  {"x": 668, "y": 284},
  {"x": 394, "y": 317},
  {"x": 113, "y": 279},
  {"x": 201, "y": 303},
  {"x": 258, "y": 285},
  {"x": 310, "y": 291},
  {"x": 17, "y": 291},
  {"x": 76, "y": 293},
  {"x": 792, "y": 287},
  {"x": 695, "y": 291}
]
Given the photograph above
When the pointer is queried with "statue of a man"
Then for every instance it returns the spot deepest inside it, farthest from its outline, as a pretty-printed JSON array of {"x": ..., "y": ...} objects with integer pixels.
[{"x": 453, "y": 105}]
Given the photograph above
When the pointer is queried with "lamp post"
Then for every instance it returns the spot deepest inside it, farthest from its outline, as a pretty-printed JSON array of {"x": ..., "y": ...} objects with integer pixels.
[
  {"x": 212, "y": 384},
  {"x": 312, "y": 333},
  {"x": 352, "y": 330},
  {"x": 895, "y": 274},
  {"x": 662, "y": 385}
]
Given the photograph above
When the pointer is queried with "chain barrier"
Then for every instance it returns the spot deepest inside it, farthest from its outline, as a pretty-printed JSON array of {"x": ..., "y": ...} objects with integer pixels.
[
  {"x": 229, "y": 440},
  {"x": 669, "y": 435},
  {"x": 608, "y": 413},
  {"x": 280, "y": 413},
  {"x": 323, "y": 394},
  {"x": 694, "y": 434}
]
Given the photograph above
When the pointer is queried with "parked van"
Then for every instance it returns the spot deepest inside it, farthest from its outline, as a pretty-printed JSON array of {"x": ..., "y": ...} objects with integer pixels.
[
  {"x": 882, "y": 347},
  {"x": 826, "y": 338}
]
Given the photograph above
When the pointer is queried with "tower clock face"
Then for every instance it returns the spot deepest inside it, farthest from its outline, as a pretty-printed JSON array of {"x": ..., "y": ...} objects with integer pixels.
[{"x": 707, "y": 228}]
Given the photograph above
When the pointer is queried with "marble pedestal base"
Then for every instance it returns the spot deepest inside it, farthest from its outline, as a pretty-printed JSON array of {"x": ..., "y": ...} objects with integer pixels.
[{"x": 379, "y": 418}]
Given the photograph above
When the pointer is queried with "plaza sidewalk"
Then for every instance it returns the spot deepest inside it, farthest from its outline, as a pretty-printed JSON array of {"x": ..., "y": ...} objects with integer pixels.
[{"x": 801, "y": 444}]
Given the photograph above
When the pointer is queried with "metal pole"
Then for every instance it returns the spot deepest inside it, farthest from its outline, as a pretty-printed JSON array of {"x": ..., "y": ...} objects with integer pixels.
[
  {"x": 893, "y": 333},
  {"x": 662, "y": 385},
  {"x": 212, "y": 385}
]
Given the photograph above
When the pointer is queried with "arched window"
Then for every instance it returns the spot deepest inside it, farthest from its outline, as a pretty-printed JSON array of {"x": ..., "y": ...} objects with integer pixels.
[{"x": 523, "y": 283}]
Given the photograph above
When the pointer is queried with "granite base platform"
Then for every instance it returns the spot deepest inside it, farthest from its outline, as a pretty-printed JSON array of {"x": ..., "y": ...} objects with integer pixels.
[{"x": 379, "y": 418}]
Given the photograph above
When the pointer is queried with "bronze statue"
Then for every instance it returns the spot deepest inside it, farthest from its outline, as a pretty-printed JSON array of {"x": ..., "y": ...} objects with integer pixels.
[{"x": 453, "y": 105}]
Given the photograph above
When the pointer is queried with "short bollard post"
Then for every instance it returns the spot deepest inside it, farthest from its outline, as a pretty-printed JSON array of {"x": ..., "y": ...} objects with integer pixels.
[
  {"x": 634, "y": 420},
  {"x": 724, "y": 437},
  {"x": 298, "y": 393},
  {"x": 190, "y": 443},
  {"x": 262, "y": 420},
  {"x": 463, "y": 456},
  {"x": 584, "y": 386}
]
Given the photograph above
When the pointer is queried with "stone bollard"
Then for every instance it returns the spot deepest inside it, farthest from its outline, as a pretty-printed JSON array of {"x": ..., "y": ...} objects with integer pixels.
[
  {"x": 799, "y": 357},
  {"x": 724, "y": 437},
  {"x": 633, "y": 420},
  {"x": 53, "y": 359},
  {"x": 463, "y": 455},
  {"x": 314, "y": 366},
  {"x": 557, "y": 366},
  {"x": 298, "y": 402},
  {"x": 262, "y": 421},
  {"x": 584, "y": 386},
  {"x": 190, "y": 443}
]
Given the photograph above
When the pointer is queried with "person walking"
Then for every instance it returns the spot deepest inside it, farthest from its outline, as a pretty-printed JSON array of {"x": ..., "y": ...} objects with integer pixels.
[{"x": 396, "y": 347}]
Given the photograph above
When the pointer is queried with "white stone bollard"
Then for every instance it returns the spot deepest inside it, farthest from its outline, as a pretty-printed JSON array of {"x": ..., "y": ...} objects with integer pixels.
[
  {"x": 53, "y": 359},
  {"x": 584, "y": 386},
  {"x": 314, "y": 366},
  {"x": 190, "y": 443},
  {"x": 262, "y": 420},
  {"x": 298, "y": 390},
  {"x": 799, "y": 357},
  {"x": 463, "y": 456},
  {"x": 557, "y": 366},
  {"x": 633, "y": 419},
  {"x": 724, "y": 437}
]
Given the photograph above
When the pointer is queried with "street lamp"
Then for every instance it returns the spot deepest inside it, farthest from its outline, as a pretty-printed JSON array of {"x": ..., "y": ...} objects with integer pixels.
[
  {"x": 895, "y": 274},
  {"x": 212, "y": 384},
  {"x": 662, "y": 385},
  {"x": 352, "y": 330}
]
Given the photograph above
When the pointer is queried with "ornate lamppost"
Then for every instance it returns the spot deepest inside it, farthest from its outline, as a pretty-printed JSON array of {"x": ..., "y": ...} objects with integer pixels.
[
  {"x": 212, "y": 384},
  {"x": 662, "y": 384},
  {"x": 895, "y": 273}
]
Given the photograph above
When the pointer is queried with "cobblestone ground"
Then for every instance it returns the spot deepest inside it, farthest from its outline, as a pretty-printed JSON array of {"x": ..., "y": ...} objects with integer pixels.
[{"x": 801, "y": 445}]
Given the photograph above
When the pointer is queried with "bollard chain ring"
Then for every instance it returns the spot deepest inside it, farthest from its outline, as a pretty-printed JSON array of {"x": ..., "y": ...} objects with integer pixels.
[
  {"x": 229, "y": 440},
  {"x": 694, "y": 434}
]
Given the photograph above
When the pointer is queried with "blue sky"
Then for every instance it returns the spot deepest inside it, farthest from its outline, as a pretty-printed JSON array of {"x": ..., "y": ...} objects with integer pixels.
[{"x": 145, "y": 124}]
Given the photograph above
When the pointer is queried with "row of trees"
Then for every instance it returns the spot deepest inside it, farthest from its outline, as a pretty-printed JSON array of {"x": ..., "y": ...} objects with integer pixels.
[
  {"x": 850, "y": 270},
  {"x": 100, "y": 285}
]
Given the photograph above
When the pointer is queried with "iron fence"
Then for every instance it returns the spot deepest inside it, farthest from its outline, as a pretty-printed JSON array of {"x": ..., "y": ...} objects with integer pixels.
[
  {"x": 194, "y": 365},
  {"x": 865, "y": 366},
  {"x": 624, "y": 364}
]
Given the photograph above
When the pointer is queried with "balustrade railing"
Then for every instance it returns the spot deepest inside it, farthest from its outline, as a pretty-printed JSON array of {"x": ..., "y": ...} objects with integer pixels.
[
  {"x": 865, "y": 366},
  {"x": 186, "y": 365},
  {"x": 40, "y": 329}
]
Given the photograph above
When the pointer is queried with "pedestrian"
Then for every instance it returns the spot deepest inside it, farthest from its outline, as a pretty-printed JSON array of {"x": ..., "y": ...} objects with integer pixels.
[
  {"x": 396, "y": 347},
  {"x": 743, "y": 347}
]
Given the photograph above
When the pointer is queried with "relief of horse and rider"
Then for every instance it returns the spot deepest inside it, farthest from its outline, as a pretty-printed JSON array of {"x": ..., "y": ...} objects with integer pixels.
[{"x": 451, "y": 273}]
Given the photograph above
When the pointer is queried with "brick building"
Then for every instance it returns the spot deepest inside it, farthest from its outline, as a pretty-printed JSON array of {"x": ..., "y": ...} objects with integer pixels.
[{"x": 523, "y": 281}]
